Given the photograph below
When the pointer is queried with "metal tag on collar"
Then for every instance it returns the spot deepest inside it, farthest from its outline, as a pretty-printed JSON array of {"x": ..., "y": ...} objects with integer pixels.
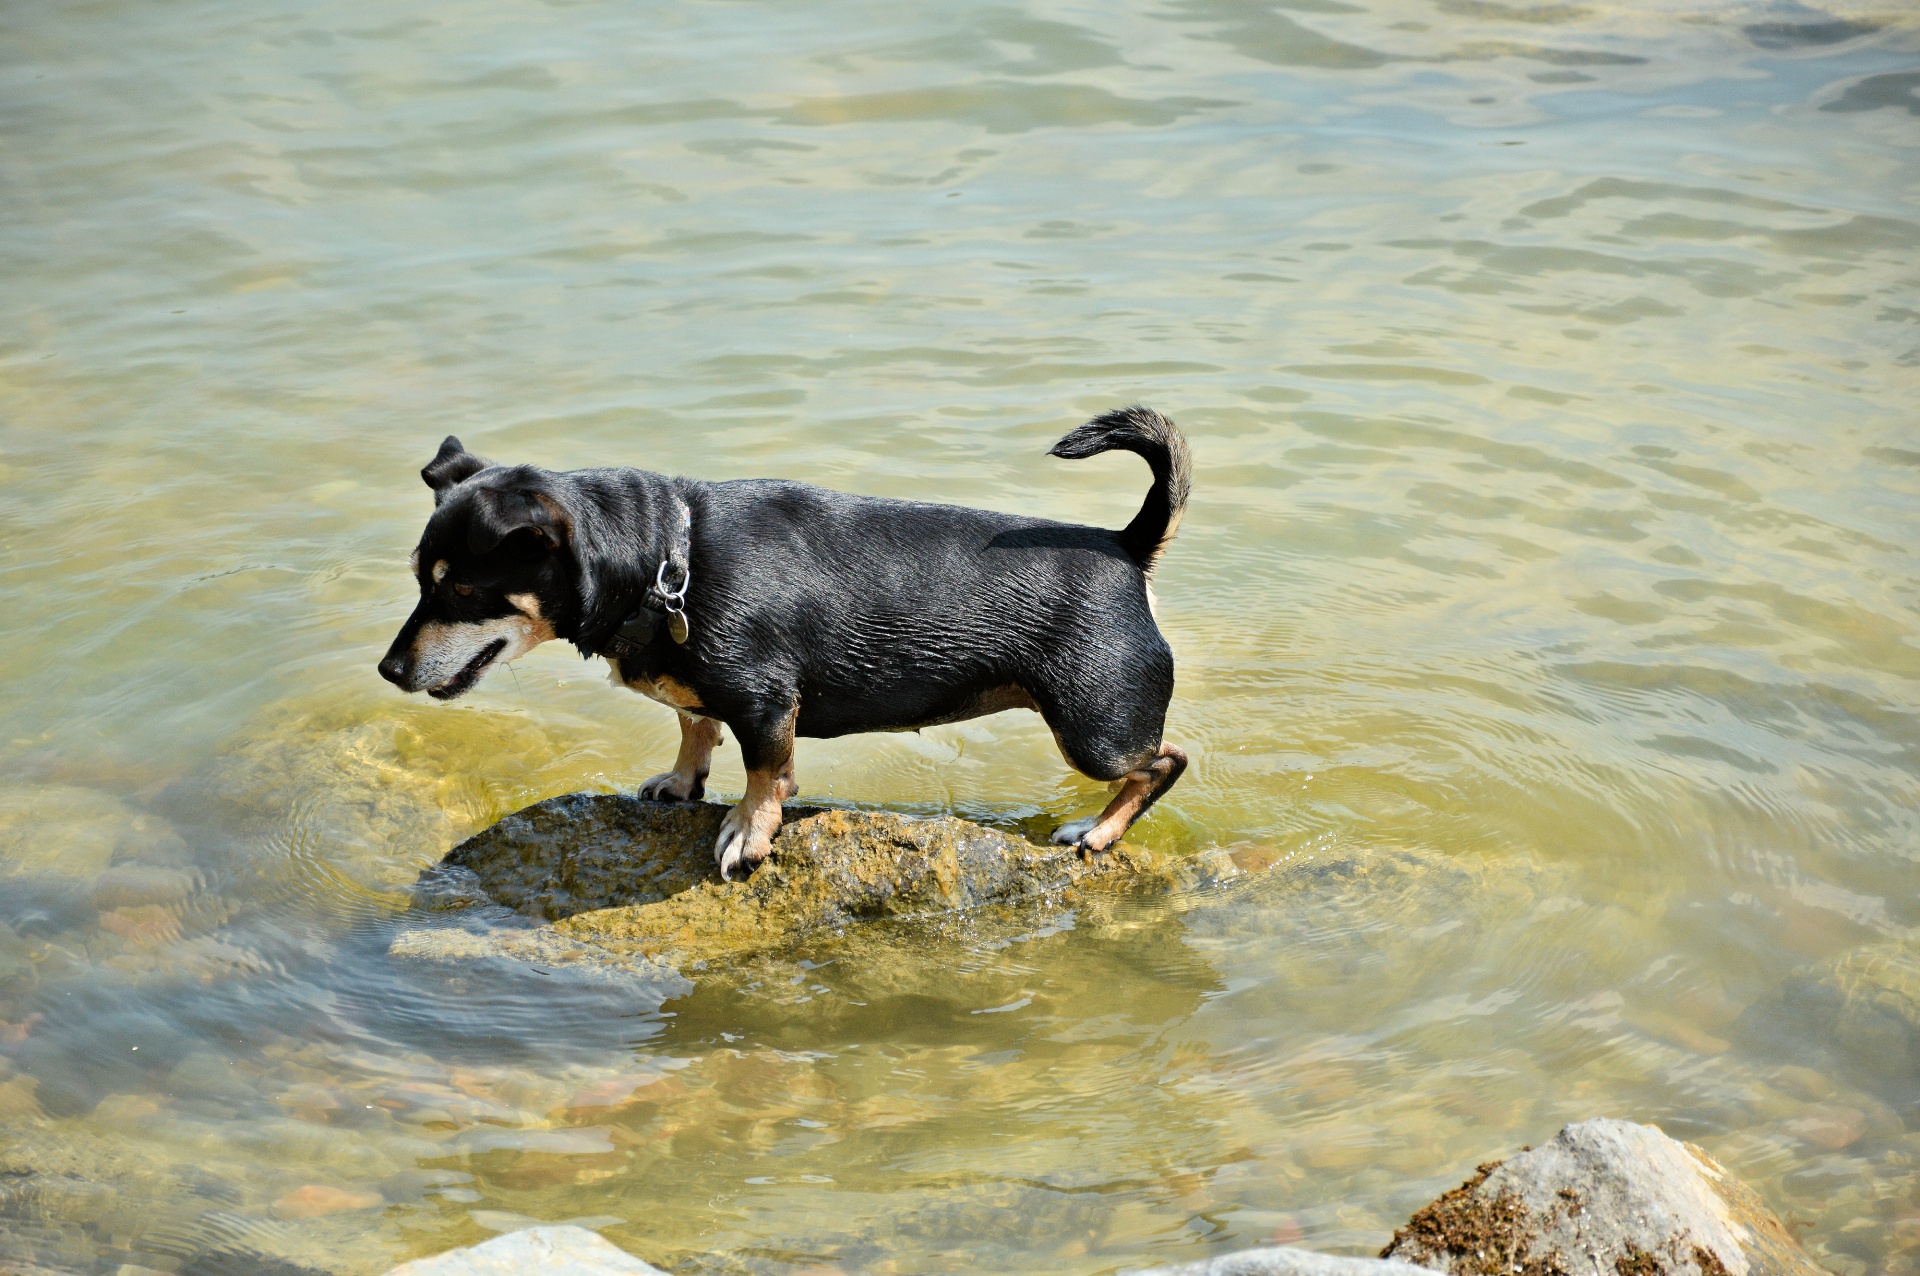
[{"x": 675, "y": 600}]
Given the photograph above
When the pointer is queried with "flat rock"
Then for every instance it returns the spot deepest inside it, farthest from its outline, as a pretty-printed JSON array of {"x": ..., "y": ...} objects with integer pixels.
[
  {"x": 555, "y": 1251},
  {"x": 64, "y": 832},
  {"x": 1604, "y": 1196},
  {"x": 1286, "y": 1260},
  {"x": 619, "y": 874},
  {"x": 1864, "y": 1003}
]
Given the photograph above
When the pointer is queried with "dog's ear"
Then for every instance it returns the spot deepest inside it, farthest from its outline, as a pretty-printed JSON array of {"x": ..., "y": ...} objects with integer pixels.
[
  {"x": 450, "y": 465},
  {"x": 500, "y": 512},
  {"x": 611, "y": 588},
  {"x": 615, "y": 551}
]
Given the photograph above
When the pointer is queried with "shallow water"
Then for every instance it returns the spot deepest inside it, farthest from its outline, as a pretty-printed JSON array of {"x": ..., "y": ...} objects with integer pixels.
[{"x": 1545, "y": 613}]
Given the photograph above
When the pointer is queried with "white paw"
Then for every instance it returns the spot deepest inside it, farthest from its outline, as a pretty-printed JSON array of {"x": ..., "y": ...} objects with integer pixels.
[
  {"x": 730, "y": 848},
  {"x": 1070, "y": 834},
  {"x": 671, "y": 786}
]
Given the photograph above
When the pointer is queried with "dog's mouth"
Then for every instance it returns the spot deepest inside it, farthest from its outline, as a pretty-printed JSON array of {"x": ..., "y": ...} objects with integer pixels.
[{"x": 463, "y": 681}]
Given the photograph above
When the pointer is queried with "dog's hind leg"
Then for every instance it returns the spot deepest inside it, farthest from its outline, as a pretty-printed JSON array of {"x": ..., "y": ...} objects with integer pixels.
[
  {"x": 1107, "y": 707},
  {"x": 1139, "y": 790},
  {"x": 746, "y": 835},
  {"x": 687, "y": 782}
]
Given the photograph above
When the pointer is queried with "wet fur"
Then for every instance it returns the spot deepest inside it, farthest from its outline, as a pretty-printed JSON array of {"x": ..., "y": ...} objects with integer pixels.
[{"x": 817, "y": 613}]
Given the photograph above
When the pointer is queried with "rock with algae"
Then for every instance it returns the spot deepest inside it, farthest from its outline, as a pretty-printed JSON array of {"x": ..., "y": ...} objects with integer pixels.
[
  {"x": 1603, "y": 1196},
  {"x": 621, "y": 875}
]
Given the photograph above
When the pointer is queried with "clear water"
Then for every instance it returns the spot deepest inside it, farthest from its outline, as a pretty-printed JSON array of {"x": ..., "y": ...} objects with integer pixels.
[{"x": 1546, "y": 611}]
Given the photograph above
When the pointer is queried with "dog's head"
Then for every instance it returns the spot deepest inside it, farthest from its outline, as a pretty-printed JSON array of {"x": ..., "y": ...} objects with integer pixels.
[{"x": 495, "y": 577}]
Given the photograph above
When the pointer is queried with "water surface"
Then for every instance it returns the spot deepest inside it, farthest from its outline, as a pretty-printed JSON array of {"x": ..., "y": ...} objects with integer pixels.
[{"x": 1546, "y": 613}]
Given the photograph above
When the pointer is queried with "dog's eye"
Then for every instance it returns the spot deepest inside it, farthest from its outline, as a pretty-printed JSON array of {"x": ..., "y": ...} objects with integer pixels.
[{"x": 464, "y": 591}]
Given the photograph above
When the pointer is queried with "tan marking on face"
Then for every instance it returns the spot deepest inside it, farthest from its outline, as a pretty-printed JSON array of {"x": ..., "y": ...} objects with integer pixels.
[
  {"x": 440, "y": 650},
  {"x": 440, "y": 571},
  {"x": 529, "y": 606}
]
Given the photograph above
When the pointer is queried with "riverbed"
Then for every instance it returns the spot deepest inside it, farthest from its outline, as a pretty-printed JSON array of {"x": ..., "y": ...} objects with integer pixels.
[{"x": 1545, "y": 612}]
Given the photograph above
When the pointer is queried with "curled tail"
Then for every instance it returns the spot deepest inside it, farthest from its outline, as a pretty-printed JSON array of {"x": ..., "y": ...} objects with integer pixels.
[{"x": 1155, "y": 439}]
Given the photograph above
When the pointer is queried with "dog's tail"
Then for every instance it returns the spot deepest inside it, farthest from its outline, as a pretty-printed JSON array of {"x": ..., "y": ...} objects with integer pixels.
[{"x": 1154, "y": 438}]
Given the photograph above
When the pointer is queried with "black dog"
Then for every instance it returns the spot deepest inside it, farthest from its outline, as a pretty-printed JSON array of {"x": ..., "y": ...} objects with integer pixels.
[{"x": 782, "y": 609}]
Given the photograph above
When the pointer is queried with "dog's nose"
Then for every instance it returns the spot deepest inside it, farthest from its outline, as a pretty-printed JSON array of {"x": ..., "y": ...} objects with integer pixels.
[{"x": 394, "y": 670}]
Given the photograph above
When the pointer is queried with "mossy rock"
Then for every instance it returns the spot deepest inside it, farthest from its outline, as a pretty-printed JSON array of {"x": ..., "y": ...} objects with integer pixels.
[
  {"x": 638, "y": 877},
  {"x": 1604, "y": 1196}
]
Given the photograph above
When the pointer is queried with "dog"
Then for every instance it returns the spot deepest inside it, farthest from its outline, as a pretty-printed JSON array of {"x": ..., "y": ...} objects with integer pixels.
[{"x": 780, "y": 609}]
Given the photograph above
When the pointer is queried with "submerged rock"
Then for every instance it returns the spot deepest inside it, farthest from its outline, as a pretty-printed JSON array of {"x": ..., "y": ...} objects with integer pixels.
[
  {"x": 1286, "y": 1260},
  {"x": 541, "y": 947},
  {"x": 562, "y": 1251},
  {"x": 1606, "y": 1196},
  {"x": 63, "y": 832},
  {"x": 637, "y": 878},
  {"x": 344, "y": 792},
  {"x": 1864, "y": 1003}
]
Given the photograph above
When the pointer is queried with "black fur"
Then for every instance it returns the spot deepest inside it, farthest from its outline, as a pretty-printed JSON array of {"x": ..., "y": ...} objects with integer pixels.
[
  {"x": 1151, "y": 436},
  {"x": 450, "y": 465},
  {"x": 840, "y": 613}
]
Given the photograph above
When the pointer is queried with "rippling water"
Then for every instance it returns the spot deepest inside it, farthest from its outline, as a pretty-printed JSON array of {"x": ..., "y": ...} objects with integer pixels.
[{"x": 1546, "y": 610}]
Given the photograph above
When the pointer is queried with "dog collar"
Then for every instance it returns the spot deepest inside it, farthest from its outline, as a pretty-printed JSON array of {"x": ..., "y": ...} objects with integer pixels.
[{"x": 663, "y": 601}]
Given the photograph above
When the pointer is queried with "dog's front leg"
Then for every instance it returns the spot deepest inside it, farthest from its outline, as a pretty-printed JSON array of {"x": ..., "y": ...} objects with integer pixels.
[
  {"x": 746, "y": 835},
  {"x": 688, "y": 779}
]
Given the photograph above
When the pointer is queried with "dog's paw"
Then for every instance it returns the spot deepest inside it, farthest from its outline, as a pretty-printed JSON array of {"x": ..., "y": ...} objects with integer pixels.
[
  {"x": 671, "y": 786},
  {"x": 1075, "y": 834},
  {"x": 739, "y": 848}
]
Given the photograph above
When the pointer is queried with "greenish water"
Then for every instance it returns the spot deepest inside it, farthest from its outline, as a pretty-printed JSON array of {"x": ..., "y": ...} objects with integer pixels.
[{"x": 1546, "y": 613}]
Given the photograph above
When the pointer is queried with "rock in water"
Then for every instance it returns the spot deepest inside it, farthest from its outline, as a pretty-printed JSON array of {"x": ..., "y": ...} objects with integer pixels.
[
  {"x": 1604, "y": 1196},
  {"x": 557, "y": 1251},
  {"x": 638, "y": 877},
  {"x": 1878, "y": 1013},
  {"x": 1864, "y": 1003},
  {"x": 1285, "y": 1260}
]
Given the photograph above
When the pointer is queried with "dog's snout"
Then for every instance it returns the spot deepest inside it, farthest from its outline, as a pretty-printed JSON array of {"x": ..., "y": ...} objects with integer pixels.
[{"x": 397, "y": 665}]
